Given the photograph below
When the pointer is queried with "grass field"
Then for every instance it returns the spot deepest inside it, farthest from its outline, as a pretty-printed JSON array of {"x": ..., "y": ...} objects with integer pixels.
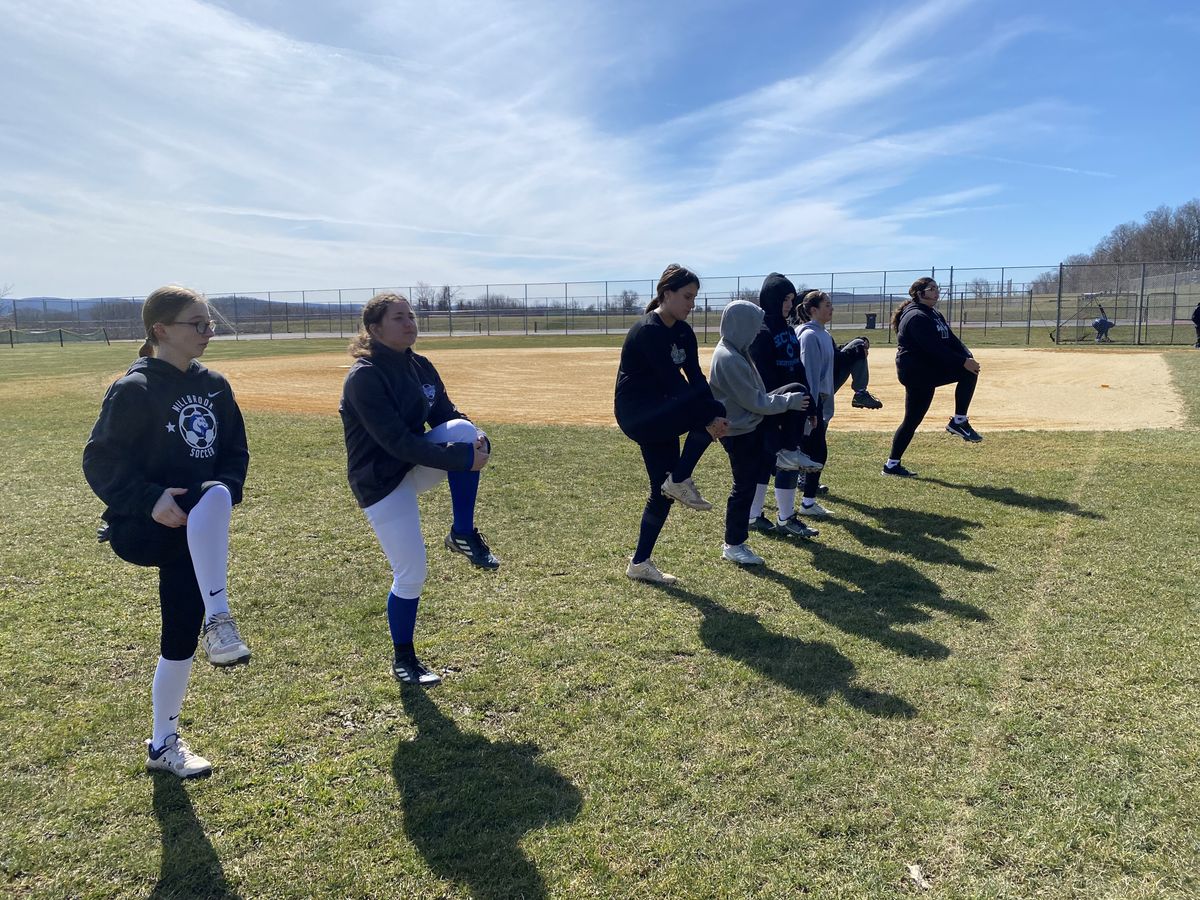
[{"x": 990, "y": 673}]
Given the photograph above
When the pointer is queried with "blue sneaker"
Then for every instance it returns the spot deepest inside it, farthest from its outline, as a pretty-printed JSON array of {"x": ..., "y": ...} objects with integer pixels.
[{"x": 474, "y": 548}]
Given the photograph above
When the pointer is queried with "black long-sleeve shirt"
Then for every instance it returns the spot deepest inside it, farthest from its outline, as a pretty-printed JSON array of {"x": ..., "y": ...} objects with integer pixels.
[
  {"x": 160, "y": 428},
  {"x": 926, "y": 348},
  {"x": 387, "y": 400},
  {"x": 658, "y": 364}
]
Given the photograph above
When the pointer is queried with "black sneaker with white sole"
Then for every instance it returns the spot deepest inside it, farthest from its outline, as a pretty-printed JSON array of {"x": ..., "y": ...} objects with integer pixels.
[
  {"x": 898, "y": 471},
  {"x": 763, "y": 524},
  {"x": 964, "y": 430},
  {"x": 794, "y": 527},
  {"x": 407, "y": 669},
  {"x": 474, "y": 548}
]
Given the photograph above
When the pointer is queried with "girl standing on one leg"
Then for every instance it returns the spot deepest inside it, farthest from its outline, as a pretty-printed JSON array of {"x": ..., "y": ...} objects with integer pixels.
[
  {"x": 928, "y": 355},
  {"x": 776, "y": 354},
  {"x": 389, "y": 396},
  {"x": 661, "y": 393},
  {"x": 737, "y": 383},
  {"x": 818, "y": 352},
  {"x": 168, "y": 457}
]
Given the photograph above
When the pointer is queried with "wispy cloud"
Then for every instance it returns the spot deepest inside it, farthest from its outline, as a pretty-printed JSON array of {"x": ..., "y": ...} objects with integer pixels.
[{"x": 179, "y": 140}]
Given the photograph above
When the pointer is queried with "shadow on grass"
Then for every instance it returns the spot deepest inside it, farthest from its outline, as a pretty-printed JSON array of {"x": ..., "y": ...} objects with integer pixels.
[
  {"x": 469, "y": 801},
  {"x": 925, "y": 536},
  {"x": 889, "y": 595},
  {"x": 812, "y": 668},
  {"x": 1011, "y": 497},
  {"x": 189, "y": 867}
]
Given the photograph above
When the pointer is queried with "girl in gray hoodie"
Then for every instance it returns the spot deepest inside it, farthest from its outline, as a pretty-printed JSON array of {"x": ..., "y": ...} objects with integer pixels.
[{"x": 736, "y": 383}]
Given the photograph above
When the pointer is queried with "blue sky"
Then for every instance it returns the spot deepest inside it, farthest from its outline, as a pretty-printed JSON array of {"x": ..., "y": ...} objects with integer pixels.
[{"x": 271, "y": 145}]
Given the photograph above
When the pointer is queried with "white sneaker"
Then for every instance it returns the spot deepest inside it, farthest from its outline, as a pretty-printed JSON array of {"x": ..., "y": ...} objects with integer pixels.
[
  {"x": 816, "y": 509},
  {"x": 176, "y": 757},
  {"x": 741, "y": 554},
  {"x": 222, "y": 644},
  {"x": 648, "y": 571},
  {"x": 797, "y": 460},
  {"x": 685, "y": 492}
]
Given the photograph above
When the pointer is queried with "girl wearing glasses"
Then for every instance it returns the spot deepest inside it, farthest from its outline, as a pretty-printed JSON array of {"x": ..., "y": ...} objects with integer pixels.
[
  {"x": 168, "y": 457},
  {"x": 928, "y": 355}
]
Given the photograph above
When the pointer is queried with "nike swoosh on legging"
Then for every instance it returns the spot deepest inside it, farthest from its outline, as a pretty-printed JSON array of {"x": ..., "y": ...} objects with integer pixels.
[{"x": 214, "y": 593}]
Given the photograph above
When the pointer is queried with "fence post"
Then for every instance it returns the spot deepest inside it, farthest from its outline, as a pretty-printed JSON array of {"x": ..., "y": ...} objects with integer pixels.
[
  {"x": 1058, "y": 309},
  {"x": 341, "y": 324},
  {"x": 104, "y": 331},
  {"x": 235, "y": 316},
  {"x": 60, "y": 338},
  {"x": 526, "y": 313},
  {"x": 450, "y": 315},
  {"x": 1029, "y": 319},
  {"x": 16, "y": 324},
  {"x": 606, "y": 307},
  {"x": 1143, "y": 312},
  {"x": 304, "y": 310},
  {"x": 11, "y": 343},
  {"x": 270, "y": 320},
  {"x": 566, "y": 315}
]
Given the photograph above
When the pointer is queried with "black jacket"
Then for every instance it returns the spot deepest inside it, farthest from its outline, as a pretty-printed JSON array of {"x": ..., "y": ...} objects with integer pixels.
[
  {"x": 387, "y": 400},
  {"x": 1196, "y": 316},
  {"x": 926, "y": 348},
  {"x": 658, "y": 365},
  {"x": 161, "y": 428},
  {"x": 776, "y": 349}
]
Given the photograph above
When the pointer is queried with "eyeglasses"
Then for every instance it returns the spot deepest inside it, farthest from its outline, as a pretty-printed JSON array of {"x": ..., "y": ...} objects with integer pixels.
[{"x": 202, "y": 327}]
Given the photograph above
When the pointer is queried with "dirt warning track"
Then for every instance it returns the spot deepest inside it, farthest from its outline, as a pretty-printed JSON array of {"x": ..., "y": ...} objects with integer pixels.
[{"x": 1018, "y": 389}]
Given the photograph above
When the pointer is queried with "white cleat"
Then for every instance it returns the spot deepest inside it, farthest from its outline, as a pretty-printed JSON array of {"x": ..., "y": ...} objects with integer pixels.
[
  {"x": 685, "y": 492},
  {"x": 815, "y": 509},
  {"x": 648, "y": 571},
  {"x": 741, "y": 554},
  {"x": 176, "y": 757},
  {"x": 223, "y": 645}
]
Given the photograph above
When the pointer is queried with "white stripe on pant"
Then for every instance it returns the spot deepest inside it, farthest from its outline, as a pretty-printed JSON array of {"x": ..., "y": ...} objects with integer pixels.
[{"x": 396, "y": 520}]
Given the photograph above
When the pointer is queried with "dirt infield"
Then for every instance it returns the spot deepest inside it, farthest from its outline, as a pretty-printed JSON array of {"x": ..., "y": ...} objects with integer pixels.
[{"x": 1018, "y": 389}]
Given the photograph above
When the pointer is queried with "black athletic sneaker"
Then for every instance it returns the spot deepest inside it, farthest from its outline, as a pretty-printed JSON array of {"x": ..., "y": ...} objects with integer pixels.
[
  {"x": 899, "y": 471},
  {"x": 964, "y": 431},
  {"x": 474, "y": 548},
  {"x": 763, "y": 524},
  {"x": 793, "y": 526},
  {"x": 822, "y": 489},
  {"x": 866, "y": 400},
  {"x": 408, "y": 670}
]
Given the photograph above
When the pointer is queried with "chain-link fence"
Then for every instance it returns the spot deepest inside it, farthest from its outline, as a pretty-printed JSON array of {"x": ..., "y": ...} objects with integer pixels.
[{"x": 1129, "y": 303}]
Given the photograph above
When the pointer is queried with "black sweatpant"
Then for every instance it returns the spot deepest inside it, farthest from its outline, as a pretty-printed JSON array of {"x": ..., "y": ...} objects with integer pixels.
[
  {"x": 784, "y": 431},
  {"x": 142, "y": 541},
  {"x": 918, "y": 396},
  {"x": 745, "y": 459},
  {"x": 658, "y": 439},
  {"x": 850, "y": 362}
]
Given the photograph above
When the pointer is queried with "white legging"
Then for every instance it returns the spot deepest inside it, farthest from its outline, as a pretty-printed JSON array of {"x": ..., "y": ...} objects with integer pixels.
[{"x": 396, "y": 520}]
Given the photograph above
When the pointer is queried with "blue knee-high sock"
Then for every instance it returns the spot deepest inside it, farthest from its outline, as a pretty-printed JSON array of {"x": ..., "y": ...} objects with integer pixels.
[
  {"x": 464, "y": 488},
  {"x": 402, "y": 619}
]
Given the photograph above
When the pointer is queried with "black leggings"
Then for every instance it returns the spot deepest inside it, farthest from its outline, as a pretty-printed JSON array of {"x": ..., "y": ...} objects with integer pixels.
[
  {"x": 658, "y": 439},
  {"x": 745, "y": 459},
  {"x": 917, "y": 398},
  {"x": 142, "y": 541},
  {"x": 817, "y": 447},
  {"x": 850, "y": 362}
]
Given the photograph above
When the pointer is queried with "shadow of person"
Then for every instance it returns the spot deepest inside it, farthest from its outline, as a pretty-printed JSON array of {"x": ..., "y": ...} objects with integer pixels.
[
  {"x": 189, "y": 867},
  {"x": 1010, "y": 497},
  {"x": 889, "y": 595},
  {"x": 925, "y": 536},
  {"x": 815, "y": 669},
  {"x": 469, "y": 801}
]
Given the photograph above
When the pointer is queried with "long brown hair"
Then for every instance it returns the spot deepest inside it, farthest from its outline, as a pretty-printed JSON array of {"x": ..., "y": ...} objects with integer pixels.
[
  {"x": 810, "y": 301},
  {"x": 674, "y": 277},
  {"x": 373, "y": 314},
  {"x": 915, "y": 290},
  {"x": 162, "y": 308}
]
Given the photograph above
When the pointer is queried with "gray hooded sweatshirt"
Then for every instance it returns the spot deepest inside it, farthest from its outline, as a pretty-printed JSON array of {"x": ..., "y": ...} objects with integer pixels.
[
  {"x": 817, "y": 352},
  {"x": 734, "y": 379}
]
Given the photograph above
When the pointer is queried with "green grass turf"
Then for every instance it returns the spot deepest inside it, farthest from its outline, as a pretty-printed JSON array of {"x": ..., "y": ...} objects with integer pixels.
[{"x": 989, "y": 672}]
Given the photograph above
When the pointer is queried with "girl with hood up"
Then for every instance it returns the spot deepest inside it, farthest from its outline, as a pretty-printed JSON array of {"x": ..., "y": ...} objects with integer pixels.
[
  {"x": 776, "y": 354},
  {"x": 737, "y": 384}
]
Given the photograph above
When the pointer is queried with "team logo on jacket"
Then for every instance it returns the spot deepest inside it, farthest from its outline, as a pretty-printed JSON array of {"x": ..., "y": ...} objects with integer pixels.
[
  {"x": 430, "y": 391},
  {"x": 197, "y": 425},
  {"x": 677, "y": 355}
]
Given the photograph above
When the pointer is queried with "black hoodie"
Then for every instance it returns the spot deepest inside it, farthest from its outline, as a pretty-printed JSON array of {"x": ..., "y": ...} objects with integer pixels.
[
  {"x": 776, "y": 349},
  {"x": 388, "y": 399},
  {"x": 161, "y": 428},
  {"x": 926, "y": 348}
]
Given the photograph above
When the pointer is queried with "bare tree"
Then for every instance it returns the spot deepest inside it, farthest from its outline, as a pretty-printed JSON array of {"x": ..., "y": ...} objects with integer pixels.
[
  {"x": 424, "y": 296},
  {"x": 445, "y": 296},
  {"x": 628, "y": 301},
  {"x": 979, "y": 287}
]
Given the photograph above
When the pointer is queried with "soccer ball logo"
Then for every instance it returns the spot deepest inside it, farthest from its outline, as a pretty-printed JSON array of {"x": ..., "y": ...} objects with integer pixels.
[{"x": 198, "y": 426}]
